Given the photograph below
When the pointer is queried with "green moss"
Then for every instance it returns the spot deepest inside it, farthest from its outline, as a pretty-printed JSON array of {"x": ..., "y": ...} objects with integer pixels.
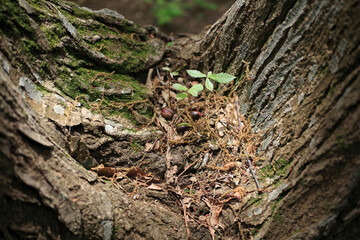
[
  {"x": 14, "y": 20},
  {"x": 277, "y": 184},
  {"x": 38, "y": 5},
  {"x": 98, "y": 29},
  {"x": 327, "y": 208},
  {"x": 278, "y": 217},
  {"x": 146, "y": 111},
  {"x": 135, "y": 53},
  {"x": 341, "y": 142},
  {"x": 332, "y": 90},
  {"x": 325, "y": 71},
  {"x": 302, "y": 181},
  {"x": 30, "y": 47},
  {"x": 53, "y": 33},
  {"x": 42, "y": 89},
  {"x": 85, "y": 83},
  {"x": 254, "y": 201},
  {"x": 125, "y": 113},
  {"x": 274, "y": 205},
  {"x": 76, "y": 74},
  {"x": 136, "y": 146},
  {"x": 253, "y": 232},
  {"x": 80, "y": 12},
  {"x": 278, "y": 214},
  {"x": 278, "y": 169}
]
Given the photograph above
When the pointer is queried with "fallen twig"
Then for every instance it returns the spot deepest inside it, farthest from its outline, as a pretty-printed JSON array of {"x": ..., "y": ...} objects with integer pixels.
[
  {"x": 246, "y": 153},
  {"x": 252, "y": 171},
  {"x": 192, "y": 164}
]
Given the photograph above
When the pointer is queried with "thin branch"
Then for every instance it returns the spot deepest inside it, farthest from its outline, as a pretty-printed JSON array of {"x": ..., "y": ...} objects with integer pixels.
[{"x": 192, "y": 164}]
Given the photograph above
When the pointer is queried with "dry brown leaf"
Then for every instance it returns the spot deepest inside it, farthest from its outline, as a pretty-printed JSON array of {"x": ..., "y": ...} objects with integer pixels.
[
  {"x": 164, "y": 124},
  {"x": 135, "y": 172},
  {"x": 165, "y": 95},
  {"x": 215, "y": 212},
  {"x": 170, "y": 175},
  {"x": 149, "y": 81},
  {"x": 157, "y": 145},
  {"x": 187, "y": 201},
  {"x": 211, "y": 229},
  {"x": 202, "y": 218},
  {"x": 148, "y": 147},
  {"x": 155, "y": 187},
  {"x": 104, "y": 171}
]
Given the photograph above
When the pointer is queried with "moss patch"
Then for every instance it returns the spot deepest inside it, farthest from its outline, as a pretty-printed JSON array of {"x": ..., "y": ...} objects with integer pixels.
[
  {"x": 277, "y": 169},
  {"x": 254, "y": 201},
  {"x": 97, "y": 68},
  {"x": 14, "y": 20},
  {"x": 136, "y": 146},
  {"x": 113, "y": 94},
  {"x": 277, "y": 214},
  {"x": 341, "y": 143}
]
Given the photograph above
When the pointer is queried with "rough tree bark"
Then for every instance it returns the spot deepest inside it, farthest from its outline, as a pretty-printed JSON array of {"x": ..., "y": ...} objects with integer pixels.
[
  {"x": 301, "y": 92},
  {"x": 304, "y": 98}
]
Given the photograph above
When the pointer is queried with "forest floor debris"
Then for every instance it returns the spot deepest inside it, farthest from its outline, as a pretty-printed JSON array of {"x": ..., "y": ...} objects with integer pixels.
[{"x": 222, "y": 172}]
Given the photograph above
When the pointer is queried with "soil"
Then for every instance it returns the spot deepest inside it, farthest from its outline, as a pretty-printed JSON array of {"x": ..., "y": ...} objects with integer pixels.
[{"x": 138, "y": 11}]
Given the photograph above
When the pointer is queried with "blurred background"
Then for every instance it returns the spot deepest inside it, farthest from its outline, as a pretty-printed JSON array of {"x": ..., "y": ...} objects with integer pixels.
[{"x": 171, "y": 16}]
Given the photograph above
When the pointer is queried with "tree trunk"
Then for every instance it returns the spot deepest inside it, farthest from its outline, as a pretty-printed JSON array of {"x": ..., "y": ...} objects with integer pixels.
[
  {"x": 302, "y": 94},
  {"x": 298, "y": 82}
]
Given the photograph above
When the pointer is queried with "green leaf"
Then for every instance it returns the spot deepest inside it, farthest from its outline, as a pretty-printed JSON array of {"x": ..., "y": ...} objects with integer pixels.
[
  {"x": 179, "y": 87},
  {"x": 169, "y": 44},
  {"x": 193, "y": 92},
  {"x": 195, "y": 73},
  {"x": 182, "y": 95},
  {"x": 166, "y": 69},
  {"x": 222, "y": 77},
  {"x": 208, "y": 84},
  {"x": 184, "y": 124},
  {"x": 174, "y": 74},
  {"x": 197, "y": 88}
]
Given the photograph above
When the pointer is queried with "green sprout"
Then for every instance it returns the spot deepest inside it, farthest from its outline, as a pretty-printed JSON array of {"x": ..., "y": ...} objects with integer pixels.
[
  {"x": 194, "y": 90},
  {"x": 172, "y": 74}
]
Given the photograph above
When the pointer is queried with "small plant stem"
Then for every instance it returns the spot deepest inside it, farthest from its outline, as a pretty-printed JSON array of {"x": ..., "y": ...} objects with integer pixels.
[
  {"x": 158, "y": 73},
  {"x": 246, "y": 153},
  {"x": 169, "y": 80}
]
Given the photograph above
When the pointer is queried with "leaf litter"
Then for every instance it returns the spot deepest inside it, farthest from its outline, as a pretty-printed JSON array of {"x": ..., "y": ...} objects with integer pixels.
[{"x": 225, "y": 143}]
